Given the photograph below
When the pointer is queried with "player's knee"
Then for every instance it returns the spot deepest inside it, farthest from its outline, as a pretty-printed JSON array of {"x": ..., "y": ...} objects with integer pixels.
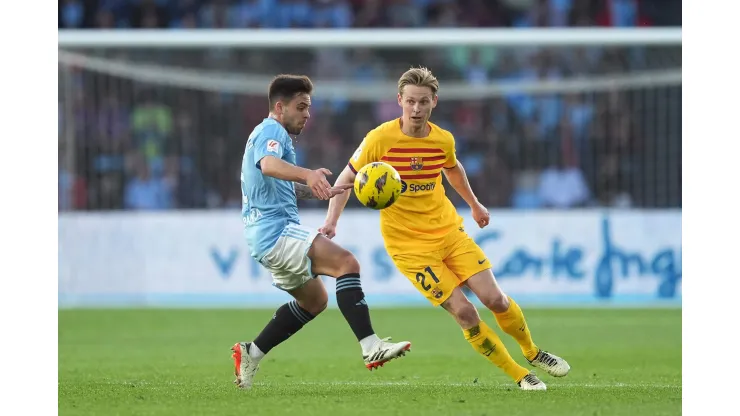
[
  {"x": 466, "y": 314},
  {"x": 496, "y": 302},
  {"x": 347, "y": 263},
  {"x": 316, "y": 305}
]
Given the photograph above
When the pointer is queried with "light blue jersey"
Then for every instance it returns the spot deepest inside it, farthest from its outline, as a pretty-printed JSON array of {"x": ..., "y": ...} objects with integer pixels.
[{"x": 268, "y": 204}]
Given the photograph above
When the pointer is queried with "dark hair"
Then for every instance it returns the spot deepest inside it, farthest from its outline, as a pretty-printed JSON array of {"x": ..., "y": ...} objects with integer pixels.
[{"x": 286, "y": 87}]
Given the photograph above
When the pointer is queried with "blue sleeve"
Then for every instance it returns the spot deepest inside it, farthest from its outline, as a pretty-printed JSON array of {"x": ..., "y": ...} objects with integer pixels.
[{"x": 268, "y": 143}]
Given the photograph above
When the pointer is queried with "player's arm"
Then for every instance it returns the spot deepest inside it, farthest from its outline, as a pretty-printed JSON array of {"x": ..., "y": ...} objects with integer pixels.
[
  {"x": 268, "y": 158},
  {"x": 459, "y": 182},
  {"x": 455, "y": 174},
  {"x": 346, "y": 179},
  {"x": 317, "y": 187},
  {"x": 304, "y": 191},
  {"x": 366, "y": 153},
  {"x": 280, "y": 169}
]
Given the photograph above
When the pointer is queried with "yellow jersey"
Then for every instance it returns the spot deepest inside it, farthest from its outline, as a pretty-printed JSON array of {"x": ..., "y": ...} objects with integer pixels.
[{"x": 423, "y": 215}]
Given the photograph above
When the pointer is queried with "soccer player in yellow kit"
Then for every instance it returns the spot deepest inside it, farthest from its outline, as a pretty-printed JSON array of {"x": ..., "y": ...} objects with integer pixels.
[{"x": 424, "y": 234}]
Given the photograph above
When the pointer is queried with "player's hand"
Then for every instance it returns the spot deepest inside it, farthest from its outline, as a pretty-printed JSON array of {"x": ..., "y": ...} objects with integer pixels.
[
  {"x": 340, "y": 189},
  {"x": 329, "y": 230},
  {"x": 480, "y": 214},
  {"x": 316, "y": 180}
]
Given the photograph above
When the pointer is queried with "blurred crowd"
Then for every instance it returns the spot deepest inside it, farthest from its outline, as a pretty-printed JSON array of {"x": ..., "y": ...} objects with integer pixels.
[
  {"x": 130, "y": 145},
  {"x": 365, "y": 13}
]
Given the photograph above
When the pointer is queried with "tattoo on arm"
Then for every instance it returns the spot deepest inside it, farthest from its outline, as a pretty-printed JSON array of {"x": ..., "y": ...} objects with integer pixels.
[{"x": 303, "y": 191}]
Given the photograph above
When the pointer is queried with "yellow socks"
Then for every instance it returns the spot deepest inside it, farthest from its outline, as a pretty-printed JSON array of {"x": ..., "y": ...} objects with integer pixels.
[
  {"x": 486, "y": 342},
  {"x": 513, "y": 323}
]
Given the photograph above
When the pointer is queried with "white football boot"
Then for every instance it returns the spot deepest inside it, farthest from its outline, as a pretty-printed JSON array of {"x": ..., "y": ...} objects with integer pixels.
[
  {"x": 554, "y": 365},
  {"x": 245, "y": 367},
  {"x": 531, "y": 382},
  {"x": 384, "y": 351}
]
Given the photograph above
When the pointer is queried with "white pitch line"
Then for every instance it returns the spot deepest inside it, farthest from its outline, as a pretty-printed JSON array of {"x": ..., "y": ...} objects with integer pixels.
[
  {"x": 484, "y": 385},
  {"x": 553, "y": 384}
]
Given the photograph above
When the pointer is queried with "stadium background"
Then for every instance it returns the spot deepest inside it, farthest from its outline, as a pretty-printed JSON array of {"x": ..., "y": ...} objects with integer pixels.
[{"x": 581, "y": 166}]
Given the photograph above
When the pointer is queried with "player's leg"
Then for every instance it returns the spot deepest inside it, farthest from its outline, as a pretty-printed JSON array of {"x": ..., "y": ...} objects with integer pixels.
[
  {"x": 330, "y": 259},
  {"x": 466, "y": 260},
  {"x": 511, "y": 319},
  {"x": 508, "y": 314},
  {"x": 486, "y": 342},
  {"x": 291, "y": 271},
  {"x": 310, "y": 300},
  {"x": 428, "y": 273}
]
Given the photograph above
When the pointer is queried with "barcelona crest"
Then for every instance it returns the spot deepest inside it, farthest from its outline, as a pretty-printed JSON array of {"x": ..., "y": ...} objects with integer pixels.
[
  {"x": 437, "y": 293},
  {"x": 417, "y": 163}
]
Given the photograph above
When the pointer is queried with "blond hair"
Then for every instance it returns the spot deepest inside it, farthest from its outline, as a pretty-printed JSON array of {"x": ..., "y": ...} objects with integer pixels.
[{"x": 421, "y": 77}]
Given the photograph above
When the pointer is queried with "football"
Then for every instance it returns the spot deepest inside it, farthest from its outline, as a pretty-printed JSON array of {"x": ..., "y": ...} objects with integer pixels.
[{"x": 377, "y": 185}]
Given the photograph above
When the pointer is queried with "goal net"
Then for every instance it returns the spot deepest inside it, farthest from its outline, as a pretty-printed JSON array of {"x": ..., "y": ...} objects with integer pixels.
[{"x": 540, "y": 124}]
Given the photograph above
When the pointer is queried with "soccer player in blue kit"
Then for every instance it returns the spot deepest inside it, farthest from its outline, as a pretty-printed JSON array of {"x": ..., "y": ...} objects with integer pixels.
[{"x": 295, "y": 255}]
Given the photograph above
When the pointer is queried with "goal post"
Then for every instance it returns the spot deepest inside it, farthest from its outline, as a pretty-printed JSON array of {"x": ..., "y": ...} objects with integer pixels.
[{"x": 373, "y": 38}]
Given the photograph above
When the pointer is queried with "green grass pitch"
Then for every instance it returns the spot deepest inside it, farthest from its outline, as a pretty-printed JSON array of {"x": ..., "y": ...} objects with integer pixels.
[{"x": 177, "y": 362}]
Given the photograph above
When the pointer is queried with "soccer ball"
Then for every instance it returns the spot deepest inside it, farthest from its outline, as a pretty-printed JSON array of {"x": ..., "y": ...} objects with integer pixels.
[{"x": 377, "y": 185}]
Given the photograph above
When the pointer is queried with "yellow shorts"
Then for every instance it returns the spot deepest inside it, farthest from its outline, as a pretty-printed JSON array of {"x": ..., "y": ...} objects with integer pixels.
[{"x": 436, "y": 274}]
